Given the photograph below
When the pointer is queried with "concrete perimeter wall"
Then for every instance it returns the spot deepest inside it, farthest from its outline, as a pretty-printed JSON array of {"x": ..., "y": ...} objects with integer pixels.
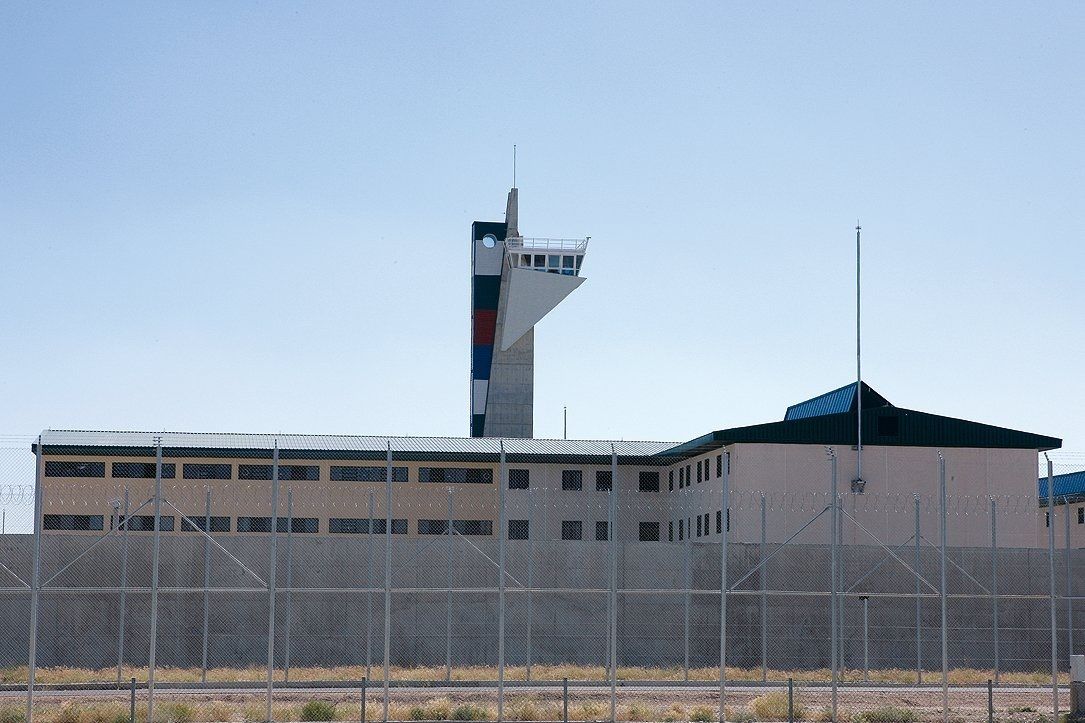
[{"x": 328, "y": 612}]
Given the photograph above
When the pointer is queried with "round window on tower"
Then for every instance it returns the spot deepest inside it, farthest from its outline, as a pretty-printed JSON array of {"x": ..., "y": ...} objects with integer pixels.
[{"x": 489, "y": 240}]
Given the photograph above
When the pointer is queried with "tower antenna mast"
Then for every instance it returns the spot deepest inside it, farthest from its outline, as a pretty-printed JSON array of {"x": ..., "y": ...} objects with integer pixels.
[{"x": 514, "y": 165}]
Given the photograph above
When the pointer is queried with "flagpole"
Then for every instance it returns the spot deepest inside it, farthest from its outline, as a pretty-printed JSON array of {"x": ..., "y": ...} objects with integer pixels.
[{"x": 858, "y": 361}]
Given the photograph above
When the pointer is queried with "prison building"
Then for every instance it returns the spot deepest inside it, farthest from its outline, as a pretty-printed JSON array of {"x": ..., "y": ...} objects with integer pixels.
[
  {"x": 1068, "y": 506},
  {"x": 557, "y": 489}
]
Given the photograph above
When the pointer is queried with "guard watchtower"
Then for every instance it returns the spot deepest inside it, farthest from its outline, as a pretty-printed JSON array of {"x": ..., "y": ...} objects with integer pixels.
[{"x": 515, "y": 282}]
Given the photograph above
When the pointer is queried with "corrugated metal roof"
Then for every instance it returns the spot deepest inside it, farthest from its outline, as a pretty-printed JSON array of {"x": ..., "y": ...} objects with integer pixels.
[
  {"x": 837, "y": 401},
  {"x": 342, "y": 446},
  {"x": 1070, "y": 485},
  {"x": 834, "y": 402}
]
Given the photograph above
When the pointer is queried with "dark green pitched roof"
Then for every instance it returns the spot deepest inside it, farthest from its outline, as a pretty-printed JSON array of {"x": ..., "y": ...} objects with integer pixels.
[{"x": 882, "y": 426}]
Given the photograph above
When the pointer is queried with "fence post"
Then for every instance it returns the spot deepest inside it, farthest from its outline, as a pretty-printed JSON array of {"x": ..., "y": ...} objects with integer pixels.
[
  {"x": 155, "y": 550},
  {"x": 990, "y": 702},
  {"x": 942, "y": 587},
  {"x": 387, "y": 573},
  {"x": 866, "y": 637},
  {"x": 35, "y": 585},
  {"x": 725, "y": 513},
  {"x": 206, "y": 584},
  {"x": 564, "y": 700},
  {"x": 1051, "y": 593},
  {"x": 531, "y": 532},
  {"x": 764, "y": 600},
  {"x": 272, "y": 570},
  {"x": 790, "y": 700},
  {"x": 833, "y": 541},
  {"x": 1069, "y": 599},
  {"x": 122, "y": 611},
  {"x": 994, "y": 585},
  {"x": 289, "y": 612},
  {"x": 686, "y": 581},
  {"x": 132, "y": 703},
  {"x": 918, "y": 599},
  {"x": 1077, "y": 688},
  {"x": 364, "y": 684},
  {"x": 502, "y": 533},
  {"x": 612, "y": 533},
  {"x": 369, "y": 592},
  {"x": 448, "y": 594}
]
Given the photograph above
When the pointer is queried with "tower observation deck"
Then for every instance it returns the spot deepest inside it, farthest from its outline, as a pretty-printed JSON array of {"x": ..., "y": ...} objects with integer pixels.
[{"x": 515, "y": 282}]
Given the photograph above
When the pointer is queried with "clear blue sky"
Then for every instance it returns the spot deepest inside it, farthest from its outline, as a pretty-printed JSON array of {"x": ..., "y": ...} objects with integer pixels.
[{"x": 255, "y": 217}]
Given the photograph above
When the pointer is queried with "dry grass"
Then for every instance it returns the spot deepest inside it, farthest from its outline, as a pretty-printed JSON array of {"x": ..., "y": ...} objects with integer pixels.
[
  {"x": 575, "y": 673},
  {"x": 773, "y": 707}
]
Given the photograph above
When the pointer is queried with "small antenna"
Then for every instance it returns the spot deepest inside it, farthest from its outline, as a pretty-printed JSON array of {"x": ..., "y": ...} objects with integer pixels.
[
  {"x": 514, "y": 165},
  {"x": 564, "y": 422}
]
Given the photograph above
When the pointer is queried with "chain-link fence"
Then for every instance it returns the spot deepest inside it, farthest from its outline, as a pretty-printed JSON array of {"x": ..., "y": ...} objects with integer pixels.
[{"x": 467, "y": 579}]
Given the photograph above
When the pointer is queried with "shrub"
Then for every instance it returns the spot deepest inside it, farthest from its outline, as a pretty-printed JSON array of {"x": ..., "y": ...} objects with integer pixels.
[
  {"x": 318, "y": 710},
  {"x": 470, "y": 712},
  {"x": 12, "y": 714},
  {"x": 702, "y": 714},
  {"x": 773, "y": 707},
  {"x": 887, "y": 714},
  {"x": 439, "y": 709},
  {"x": 416, "y": 712},
  {"x": 637, "y": 712},
  {"x": 175, "y": 712},
  {"x": 589, "y": 710},
  {"x": 742, "y": 716}
]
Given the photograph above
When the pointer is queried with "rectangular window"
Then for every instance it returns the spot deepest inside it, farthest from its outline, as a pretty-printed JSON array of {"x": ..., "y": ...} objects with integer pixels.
[
  {"x": 72, "y": 522},
  {"x": 649, "y": 532},
  {"x": 1081, "y": 515},
  {"x": 519, "y": 529},
  {"x": 303, "y": 525},
  {"x": 601, "y": 531},
  {"x": 348, "y": 526},
  {"x": 670, "y": 481},
  {"x": 719, "y": 522},
  {"x": 719, "y": 465},
  {"x": 649, "y": 481},
  {"x": 142, "y": 470},
  {"x": 604, "y": 480},
  {"x": 309, "y": 525},
  {"x": 681, "y": 477},
  {"x": 572, "y": 480},
  {"x": 698, "y": 525},
  {"x": 571, "y": 529},
  {"x": 698, "y": 472},
  {"x": 380, "y": 526},
  {"x": 208, "y": 471},
  {"x": 287, "y": 472},
  {"x": 461, "y": 527},
  {"x": 145, "y": 523},
  {"x": 341, "y": 473},
  {"x": 456, "y": 475},
  {"x": 681, "y": 530},
  {"x": 689, "y": 475},
  {"x": 74, "y": 469},
  {"x": 253, "y": 471},
  {"x": 706, "y": 517},
  {"x": 199, "y": 522},
  {"x": 670, "y": 531},
  {"x": 519, "y": 479},
  {"x": 1047, "y": 519}
]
